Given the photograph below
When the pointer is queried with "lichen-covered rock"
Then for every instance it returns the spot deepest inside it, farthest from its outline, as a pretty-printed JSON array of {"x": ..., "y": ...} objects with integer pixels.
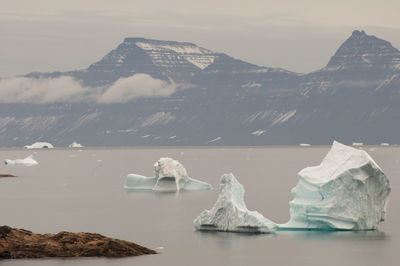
[
  {"x": 347, "y": 191},
  {"x": 230, "y": 213},
  {"x": 20, "y": 243}
]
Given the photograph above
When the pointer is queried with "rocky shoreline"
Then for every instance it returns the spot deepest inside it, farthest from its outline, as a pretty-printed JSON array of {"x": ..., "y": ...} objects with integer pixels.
[{"x": 21, "y": 244}]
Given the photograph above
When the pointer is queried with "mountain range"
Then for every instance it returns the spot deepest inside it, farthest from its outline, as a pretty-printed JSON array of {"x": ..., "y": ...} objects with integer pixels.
[{"x": 152, "y": 92}]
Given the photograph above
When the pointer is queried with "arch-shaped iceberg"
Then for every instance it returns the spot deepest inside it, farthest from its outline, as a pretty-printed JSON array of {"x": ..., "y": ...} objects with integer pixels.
[{"x": 170, "y": 175}]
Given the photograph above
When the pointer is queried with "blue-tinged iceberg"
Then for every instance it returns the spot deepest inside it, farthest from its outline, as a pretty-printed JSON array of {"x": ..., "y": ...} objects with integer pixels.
[
  {"x": 28, "y": 161},
  {"x": 230, "y": 213},
  {"x": 170, "y": 175},
  {"x": 347, "y": 191}
]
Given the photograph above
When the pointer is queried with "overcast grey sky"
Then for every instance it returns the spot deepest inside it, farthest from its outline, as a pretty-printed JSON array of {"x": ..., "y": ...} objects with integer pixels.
[{"x": 298, "y": 35}]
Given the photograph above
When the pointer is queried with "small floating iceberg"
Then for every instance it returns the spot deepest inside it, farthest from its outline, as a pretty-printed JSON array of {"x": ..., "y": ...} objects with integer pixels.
[
  {"x": 385, "y": 144},
  {"x": 39, "y": 145},
  {"x": 170, "y": 175},
  {"x": 230, "y": 213},
  {"x": 347, "y": 191},
  {"x": 304, "y": 145},
  {"x": 357, "y": 144},
  {"x": 28, "y": 161},
  {"x": 75, "y": 145}
]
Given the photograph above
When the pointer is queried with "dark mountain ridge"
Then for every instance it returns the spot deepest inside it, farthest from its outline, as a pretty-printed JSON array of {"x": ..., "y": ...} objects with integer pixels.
[{"x": 221, "y": 100}]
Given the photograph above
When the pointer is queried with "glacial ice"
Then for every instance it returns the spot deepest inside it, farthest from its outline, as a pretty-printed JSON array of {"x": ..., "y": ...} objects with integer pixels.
[
  {"x": 357, "y": 144},
  {"x": 75, "y": 145},
  {"x": 170, "y": 175},
  {"x": 28, "y": 161},
  {"x": 230, "y": 212},
  {"x": 39, "y": 145},
  {"x": 347, "y": 191}
]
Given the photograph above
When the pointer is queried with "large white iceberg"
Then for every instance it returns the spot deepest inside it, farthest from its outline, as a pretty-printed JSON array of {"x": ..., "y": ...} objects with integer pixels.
[
  {"x": 28, "y": 161},
  {"x": 75, "y": 145},
  {"x": 347, "y": 191},
  {"x": 230, "y": 212},
  {"x": 40, "y": 145},
  {"x": 170, "y": 175}
]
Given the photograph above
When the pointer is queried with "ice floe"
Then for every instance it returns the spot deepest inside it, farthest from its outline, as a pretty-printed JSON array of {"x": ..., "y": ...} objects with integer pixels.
[
  {"x": 28, "y": 161},
  {"x": 347, "y": 191},
  {"x": 170, "y": 175},
  {"x": 75, "y": 145},
  {"x": 39, "y": 145},
  {"x": 230, "y": 212},
  {"x": 357, "y": 144}
]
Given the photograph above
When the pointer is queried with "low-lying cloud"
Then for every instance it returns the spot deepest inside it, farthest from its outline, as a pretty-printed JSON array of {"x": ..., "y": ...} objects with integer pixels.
[
  {"x": 68, "y": 89},
  {"x": 41, "y": 90},
  {"x": 137, "y": 86}
]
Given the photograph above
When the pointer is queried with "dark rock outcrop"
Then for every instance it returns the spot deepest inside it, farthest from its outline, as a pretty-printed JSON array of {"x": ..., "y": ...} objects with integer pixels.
[
  {"x": 6, "y": 175},
  {"x": 20, "y": 243}
]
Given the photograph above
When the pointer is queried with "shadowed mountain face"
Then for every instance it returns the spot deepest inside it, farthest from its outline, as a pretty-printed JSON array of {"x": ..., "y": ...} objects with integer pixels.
[{"x": 218, "y": 100}]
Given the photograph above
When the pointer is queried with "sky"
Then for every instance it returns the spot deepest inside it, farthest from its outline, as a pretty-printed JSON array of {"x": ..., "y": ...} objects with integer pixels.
[{"x": 298, "y": 35}]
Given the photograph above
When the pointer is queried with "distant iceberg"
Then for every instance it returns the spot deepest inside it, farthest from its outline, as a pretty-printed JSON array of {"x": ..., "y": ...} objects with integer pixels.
[
  {"x": 347, "y": 191},
  {"x": 230, "y": 212},
  {"x": 385, "y": 144},
  {"x": 39, "y": 145},
  {"x": 28, "y": 161},
  {"x": 170, "y": 175},
  {"x": 304, "y": 145},
  {"x": 75, "y": 145},
  {"x": 357, "y": 144}
]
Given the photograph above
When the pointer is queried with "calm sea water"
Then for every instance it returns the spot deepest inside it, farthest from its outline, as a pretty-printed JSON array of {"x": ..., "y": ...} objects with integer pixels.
[{"x": 82, "y": 191}]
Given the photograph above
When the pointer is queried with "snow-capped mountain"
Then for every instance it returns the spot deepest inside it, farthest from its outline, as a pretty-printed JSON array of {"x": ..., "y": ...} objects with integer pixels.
[{"x": 214, "y": 99}]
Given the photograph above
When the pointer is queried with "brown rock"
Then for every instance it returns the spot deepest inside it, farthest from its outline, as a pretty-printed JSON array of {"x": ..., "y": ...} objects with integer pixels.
[
  {"x": 6, "y": 175},
  {"x": 20, "y": 243}
]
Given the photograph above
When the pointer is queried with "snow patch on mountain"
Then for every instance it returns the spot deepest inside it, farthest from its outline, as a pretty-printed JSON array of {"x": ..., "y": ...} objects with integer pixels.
[
  {"x": 85, "y": 119},
  {"x": 214, "y": 140},
  {"x": 164, "y": 54},
  {"x": 282, "y": 118},
  {"x": 258, "y": 132},
  {"x": 159, "y": 118}
]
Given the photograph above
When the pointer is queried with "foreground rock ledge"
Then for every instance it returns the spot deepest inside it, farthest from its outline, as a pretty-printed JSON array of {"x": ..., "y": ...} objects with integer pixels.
[{"x": 20, "y": 243}]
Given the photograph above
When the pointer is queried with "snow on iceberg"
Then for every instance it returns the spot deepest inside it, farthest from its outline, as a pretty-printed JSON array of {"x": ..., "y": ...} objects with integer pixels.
[
  {"x": 75, "y": 145},
  {"x": 170, "y": 175},
  {"x": 39, "y": 145},
  {"x": 230, "y": 212},
  {"x": 347, "y": 191},
  {"x": 28, "y": 161}
]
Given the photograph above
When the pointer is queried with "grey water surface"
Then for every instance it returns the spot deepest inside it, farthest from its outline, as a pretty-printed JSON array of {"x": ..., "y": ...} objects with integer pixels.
[{"x": 81, "y": 190}]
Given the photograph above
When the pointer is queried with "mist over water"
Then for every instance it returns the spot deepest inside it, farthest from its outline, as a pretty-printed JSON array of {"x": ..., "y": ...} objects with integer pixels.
[{"x": 82, "y": 191}]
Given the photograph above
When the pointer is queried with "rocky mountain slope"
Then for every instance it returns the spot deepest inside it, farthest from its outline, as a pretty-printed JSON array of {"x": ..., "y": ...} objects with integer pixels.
[{"x": 207, "y": 98}]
